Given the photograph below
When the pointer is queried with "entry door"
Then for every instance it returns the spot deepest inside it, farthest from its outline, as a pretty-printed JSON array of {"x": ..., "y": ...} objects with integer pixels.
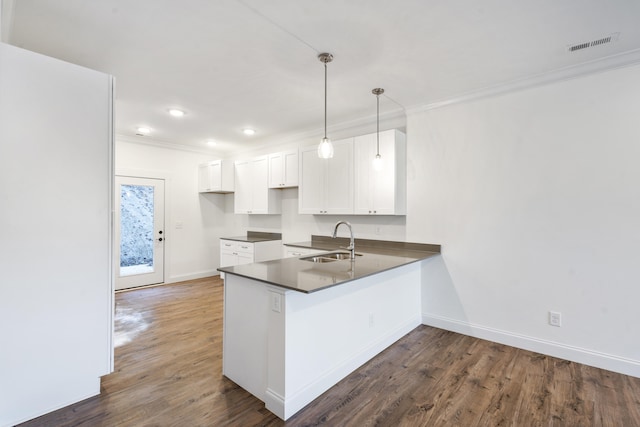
[{"x": 139, "y": 232}]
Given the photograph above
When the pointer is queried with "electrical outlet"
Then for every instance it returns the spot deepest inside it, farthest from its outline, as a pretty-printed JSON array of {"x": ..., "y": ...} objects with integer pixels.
[
  {"x": 276, "y": 302},
  {"x": 555, "y": 318},
  {"x": 378, "y": 229},
  {"x": 371, "y": 320}
]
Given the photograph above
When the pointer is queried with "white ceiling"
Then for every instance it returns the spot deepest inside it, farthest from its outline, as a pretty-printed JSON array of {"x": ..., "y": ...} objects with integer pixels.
[{"x": 232, "y": 64}]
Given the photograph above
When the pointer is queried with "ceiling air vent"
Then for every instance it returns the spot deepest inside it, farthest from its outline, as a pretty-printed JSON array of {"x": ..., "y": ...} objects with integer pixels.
[{"x": 584, "y": 45}]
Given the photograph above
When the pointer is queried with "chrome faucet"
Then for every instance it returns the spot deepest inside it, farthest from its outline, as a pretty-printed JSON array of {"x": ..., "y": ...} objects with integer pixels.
[{"x": 352, "y": 245}]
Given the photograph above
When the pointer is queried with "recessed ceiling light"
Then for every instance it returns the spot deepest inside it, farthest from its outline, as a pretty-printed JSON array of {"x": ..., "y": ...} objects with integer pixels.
[
  {"x": 248, "y": 131},
  {"x": 211, "y": 143},
  {"x": 143, "y": 130},
  {"x": 176, "y": 113}
]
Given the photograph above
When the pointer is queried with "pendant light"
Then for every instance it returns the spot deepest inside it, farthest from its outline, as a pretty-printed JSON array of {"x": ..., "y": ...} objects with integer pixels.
[
  {"x": 377, "y": 160},
  {"x": 325, "y": 148}
]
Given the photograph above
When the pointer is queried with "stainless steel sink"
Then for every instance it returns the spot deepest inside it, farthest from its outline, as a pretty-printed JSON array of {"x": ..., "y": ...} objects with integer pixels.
[{"x": 330, "y": 257}]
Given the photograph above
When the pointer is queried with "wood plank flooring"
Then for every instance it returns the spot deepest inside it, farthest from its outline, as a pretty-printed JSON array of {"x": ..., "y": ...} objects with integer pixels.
[{"x": 169, "y": 364}]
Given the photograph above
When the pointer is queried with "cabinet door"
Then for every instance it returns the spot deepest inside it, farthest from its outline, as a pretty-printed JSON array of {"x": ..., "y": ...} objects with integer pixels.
[
  {"x": 383, "y": 182},
  {"x": 365, "y": 151},
  {"x": 290, "y": 170},
  {"x": 243, "y": 186},
  {"x": 259, "y": 177},
  {"x": 228, "y": 259},
  {"x": 339, "y": 180},
  {"x": 215, "y": 176},
  {"x": 203, "y": 178},
  {"x": 311, "y": 194},
  {"x": 276, "y": 169},
  {"x": 380, "y": 192},
  {"x": 210, "y": 176},
  {"x": 244, "y": 258}
]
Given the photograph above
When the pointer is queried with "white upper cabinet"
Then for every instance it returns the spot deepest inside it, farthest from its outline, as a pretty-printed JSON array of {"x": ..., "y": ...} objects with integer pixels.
[
  {"x": 283, "y": 169},
  {"x": 326, "y": 185},
  {"x": 380, "y": 192},
  {"x": 252, "y": 192},
  {"x": 215, "y": 177}
]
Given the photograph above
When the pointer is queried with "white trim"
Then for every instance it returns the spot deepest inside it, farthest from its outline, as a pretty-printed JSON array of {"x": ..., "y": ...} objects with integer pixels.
[
  {"x": 568, "y": 352},
  {"x": 191, "y": 276},
  {"x": 620, "y": 60},
  {"x": 111, "y": 196},
  {"x": 145, "y": 140},
  {"x": 391, "y": 120},
  {"x": 168, "y": 217}
]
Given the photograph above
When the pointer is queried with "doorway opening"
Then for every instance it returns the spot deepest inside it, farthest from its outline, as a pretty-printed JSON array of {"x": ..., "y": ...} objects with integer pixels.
[{"x": 139, "y": 242}]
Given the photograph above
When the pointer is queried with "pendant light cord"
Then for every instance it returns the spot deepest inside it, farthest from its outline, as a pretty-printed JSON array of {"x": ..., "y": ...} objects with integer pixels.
[
  {"x": 378, "y": 125},
  {"x": 325, "y": 100}
]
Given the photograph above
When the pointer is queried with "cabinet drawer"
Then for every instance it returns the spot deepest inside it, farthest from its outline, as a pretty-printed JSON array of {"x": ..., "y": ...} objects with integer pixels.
[
  {"x": 235, "y": 246},
  {"x": 228, "y": 245},
  {"x": 244, "y": 247}
]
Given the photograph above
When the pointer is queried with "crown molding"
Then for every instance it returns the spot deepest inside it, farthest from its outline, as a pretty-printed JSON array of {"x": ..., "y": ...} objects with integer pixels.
[
  {"x": 145, "y": 140},
  {"x": 625, "y": 59}
]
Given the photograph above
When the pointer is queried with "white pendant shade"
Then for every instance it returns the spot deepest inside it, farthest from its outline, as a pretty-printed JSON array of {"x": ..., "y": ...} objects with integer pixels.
[
  {"x": 325, "y": 149},
  {"x": 377, "y": 163}
]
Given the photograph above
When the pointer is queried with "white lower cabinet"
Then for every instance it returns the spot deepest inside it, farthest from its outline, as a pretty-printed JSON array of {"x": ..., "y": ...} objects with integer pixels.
[{"x": 234, "y": 252}]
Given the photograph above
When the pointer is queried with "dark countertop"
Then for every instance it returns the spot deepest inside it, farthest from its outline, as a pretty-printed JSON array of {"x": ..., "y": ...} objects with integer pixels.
[
  {"x": 305, "y": 276},
  {"x": 255, "y": 236}
]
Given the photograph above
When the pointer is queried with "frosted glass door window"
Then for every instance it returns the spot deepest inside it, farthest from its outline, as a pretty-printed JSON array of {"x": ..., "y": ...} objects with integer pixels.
[{"x": 136, "y": 229}]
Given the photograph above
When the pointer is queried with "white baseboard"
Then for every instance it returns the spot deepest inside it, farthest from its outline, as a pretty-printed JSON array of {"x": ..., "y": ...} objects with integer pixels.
[
  {"x": 192, "y": 276},
  {"x": 568, "y": 352},
  {"x": 285, "y": 408}
]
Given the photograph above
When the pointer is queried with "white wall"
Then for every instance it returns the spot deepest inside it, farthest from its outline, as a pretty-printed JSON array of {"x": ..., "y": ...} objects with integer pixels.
[
  {"x": 193, "y": 250},
  {"x": 56, "y": 299},
  {"x": 535, "y": 198}
]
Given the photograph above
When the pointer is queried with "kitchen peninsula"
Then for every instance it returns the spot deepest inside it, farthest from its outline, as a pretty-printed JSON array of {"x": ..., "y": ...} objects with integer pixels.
[{"x": 294, "y": 327}]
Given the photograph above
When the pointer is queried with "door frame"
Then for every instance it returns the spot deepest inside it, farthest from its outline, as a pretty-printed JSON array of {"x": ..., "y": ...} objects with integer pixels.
[{"x": 153, "y": 174}]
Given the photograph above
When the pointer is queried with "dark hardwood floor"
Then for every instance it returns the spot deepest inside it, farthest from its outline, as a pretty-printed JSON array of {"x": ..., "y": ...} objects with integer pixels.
[{"x": 168, "y": 373}]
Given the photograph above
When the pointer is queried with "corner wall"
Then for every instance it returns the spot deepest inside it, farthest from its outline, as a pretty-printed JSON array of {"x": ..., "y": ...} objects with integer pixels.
[{"x": 535, "y": 199}]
